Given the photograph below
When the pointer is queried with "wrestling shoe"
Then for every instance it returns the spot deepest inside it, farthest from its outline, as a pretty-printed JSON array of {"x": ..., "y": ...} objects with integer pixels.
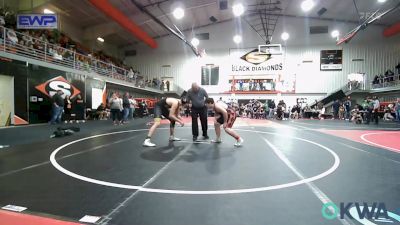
[
  {"x": 239, "y": 142},
  {"x": 147, "y": 143},
  {"x": 218, "y": 140},
  {"x": 172, "y": 138}
]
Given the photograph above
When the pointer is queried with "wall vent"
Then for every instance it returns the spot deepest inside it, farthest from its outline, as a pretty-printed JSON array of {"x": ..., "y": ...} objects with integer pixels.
[
  {"x": 318, "y": 29},
  {"x": 203, "y": 36}
]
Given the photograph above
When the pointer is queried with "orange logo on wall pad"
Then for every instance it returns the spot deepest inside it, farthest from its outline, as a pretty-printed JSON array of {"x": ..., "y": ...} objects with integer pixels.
[
  {"x": 50, "y": 87},
  {"x": 255, "y": 58}
]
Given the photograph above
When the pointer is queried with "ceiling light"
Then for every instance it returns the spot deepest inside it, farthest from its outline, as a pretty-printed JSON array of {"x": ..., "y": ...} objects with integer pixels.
[
  {"x": 195, "y": 42},
  {"x": 285, "y": 36},
  {"x": 48, "y": 11},
  {"x": 381, "y": 1},
  {"x": 238, "y": 9},
  {"x": 100, "y": 39},
  {"x": 178, "y": 13},
  {"x": 335, "y": 33},
  {"x": 237, "y": 39},
  {"x": 307, "y": 5}
]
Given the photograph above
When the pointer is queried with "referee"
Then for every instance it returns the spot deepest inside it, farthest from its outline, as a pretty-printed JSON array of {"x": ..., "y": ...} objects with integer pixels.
[{"x": 197, "y": 95}]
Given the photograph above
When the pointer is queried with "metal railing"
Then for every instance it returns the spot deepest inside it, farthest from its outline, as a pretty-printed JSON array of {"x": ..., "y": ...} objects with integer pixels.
[
  {"x": 27, "y": 46},
  {"x": 387, "y": 81}
]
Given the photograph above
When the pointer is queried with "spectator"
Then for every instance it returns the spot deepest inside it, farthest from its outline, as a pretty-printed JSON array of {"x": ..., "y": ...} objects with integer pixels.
[
  {"x": 347, "y": 108},
  {"x": 126, "y": 107},
  {"x": 336, "y": 106},
  {"x": 79, "y": 109},
  {"x": 162, "y": 84},
  {"x": 116, "y": 109},
  {"x": 132, "y": 103},
  {"x": 397, "y": 109},
  {"x": 167, "y": 83},
  {"x": 12, "y": 37},
  {"x": 341, "y": 112},
  {"x": 67, "y": 109},
  {"x": 376, "y": 106},
  {"x": 57, "y": 107},
  {"x": 271, "y": 106},
  {"x": 387, "y": 116},
  {"x": 101, "y": 113}
]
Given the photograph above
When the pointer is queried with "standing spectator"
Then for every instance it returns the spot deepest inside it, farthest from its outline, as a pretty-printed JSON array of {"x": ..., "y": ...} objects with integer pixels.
[
  {"x": 260, "y": 83},
  {"x": 131, "y": 75},
  {"x": 57, "y": 107},
  {"x": 376, "y": 105},
  {"x": 347, "y": 108},
  {"x": 197, "y": 96},
  {"x": 250, "y": 85},
  {"x": 79, "y": 109},
  {"x": 67, "y": 109},
  {"x": 341, "y": 112},
  {"x": 116, "y": 108},
  {"x": 241, "y": 85},
  {"x": 271, "y": 106},
  {"x": 369, "y": 106},
  {"x": 162, "y": 85},
  {"x": 397, "y": 109},
  {"x": 132, "y": 102},
  {"x": 336, "y": 106},
  {"x": 126, "y": 107},
  {"x": 167, "y": 83}
]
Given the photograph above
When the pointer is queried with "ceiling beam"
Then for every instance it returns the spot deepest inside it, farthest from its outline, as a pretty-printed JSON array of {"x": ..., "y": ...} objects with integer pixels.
[
  {"x": 310, "y": 17},
  {"x": 116, "y": 15}
]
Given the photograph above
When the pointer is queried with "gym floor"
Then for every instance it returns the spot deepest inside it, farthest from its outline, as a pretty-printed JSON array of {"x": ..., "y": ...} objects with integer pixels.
[{"x": 283, "y": 174}]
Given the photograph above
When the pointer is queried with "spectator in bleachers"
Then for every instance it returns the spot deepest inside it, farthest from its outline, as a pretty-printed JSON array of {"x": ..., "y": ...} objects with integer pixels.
[{"x": 12, "y": 37}]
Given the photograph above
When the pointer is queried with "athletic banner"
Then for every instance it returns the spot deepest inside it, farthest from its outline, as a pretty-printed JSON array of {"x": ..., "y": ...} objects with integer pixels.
[
  {"x": 331, "y": 59},
  {"x": 44, "y": 83},
  {"x": 251, "y": 62}
]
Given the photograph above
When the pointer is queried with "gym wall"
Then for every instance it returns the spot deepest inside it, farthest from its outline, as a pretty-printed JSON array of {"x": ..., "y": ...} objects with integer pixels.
[{"x": 371, "y": 51}]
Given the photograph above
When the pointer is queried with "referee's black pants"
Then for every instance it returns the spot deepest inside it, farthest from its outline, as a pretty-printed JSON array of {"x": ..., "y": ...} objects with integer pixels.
[{"x": 202, "y": 113}]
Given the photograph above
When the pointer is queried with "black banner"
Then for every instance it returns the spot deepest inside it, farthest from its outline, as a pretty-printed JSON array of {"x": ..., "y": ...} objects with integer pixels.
[{"x": 331, "y": 60}]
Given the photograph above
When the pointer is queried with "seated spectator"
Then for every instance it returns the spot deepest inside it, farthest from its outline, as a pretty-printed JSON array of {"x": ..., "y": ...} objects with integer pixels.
[
  {"x": 321, "y": 113},
  {"x": 356, "y": 116},
  {"x": 101, "y": 112},
  {"x": 388, "y": 113},
  {"x": 12, "y": 37}
]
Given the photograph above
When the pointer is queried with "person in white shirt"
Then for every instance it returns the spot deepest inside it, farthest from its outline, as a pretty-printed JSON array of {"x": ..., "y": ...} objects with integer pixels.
[
  {"x": 376, "y": 109},
  {"x": 132, "y": 101}
]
